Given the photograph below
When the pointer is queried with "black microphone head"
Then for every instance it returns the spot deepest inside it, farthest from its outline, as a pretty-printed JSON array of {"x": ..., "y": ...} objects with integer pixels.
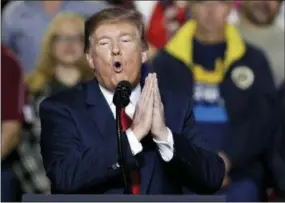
[{"x": 122, "y": 94}]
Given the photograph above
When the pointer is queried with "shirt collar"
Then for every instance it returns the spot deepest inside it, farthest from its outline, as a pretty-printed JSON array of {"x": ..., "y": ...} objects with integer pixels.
[{"x": 109, "y": 95}]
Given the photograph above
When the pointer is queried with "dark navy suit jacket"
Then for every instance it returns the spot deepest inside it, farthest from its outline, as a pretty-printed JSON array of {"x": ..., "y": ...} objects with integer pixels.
[{"x": 79, "y": 147}]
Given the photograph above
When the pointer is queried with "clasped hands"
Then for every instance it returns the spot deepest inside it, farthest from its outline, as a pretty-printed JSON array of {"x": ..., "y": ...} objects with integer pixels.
[{"x": 149, "y": 113}]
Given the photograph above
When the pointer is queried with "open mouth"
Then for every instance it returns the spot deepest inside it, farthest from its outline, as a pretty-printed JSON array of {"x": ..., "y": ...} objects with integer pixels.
[{"x": 117, "y": 66}]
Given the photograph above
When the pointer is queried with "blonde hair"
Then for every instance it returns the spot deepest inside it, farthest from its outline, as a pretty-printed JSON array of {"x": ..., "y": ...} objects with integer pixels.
[{"x": 45, "y": 67}]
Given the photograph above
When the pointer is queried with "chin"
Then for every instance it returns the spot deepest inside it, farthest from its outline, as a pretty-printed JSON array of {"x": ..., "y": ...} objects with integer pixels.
[{"x": 68, "y": 62}]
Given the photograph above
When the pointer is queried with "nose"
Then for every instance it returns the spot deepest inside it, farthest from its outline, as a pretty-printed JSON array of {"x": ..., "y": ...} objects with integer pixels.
[{"x": 116, "y": 50}]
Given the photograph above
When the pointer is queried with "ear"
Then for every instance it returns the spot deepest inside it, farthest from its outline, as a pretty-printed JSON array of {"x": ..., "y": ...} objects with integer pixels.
[
  {"x": 144, "y": 56},
  {"x": 90, "y": 60}
]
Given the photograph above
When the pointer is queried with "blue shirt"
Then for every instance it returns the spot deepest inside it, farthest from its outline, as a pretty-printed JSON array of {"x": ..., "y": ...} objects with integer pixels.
[
  {"x": 209, "y": 110},
  {"x": 24, "y": 24}
]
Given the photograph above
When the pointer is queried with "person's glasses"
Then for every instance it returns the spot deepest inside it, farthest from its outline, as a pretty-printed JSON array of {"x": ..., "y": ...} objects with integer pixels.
[{"x": 68, "y": 38}]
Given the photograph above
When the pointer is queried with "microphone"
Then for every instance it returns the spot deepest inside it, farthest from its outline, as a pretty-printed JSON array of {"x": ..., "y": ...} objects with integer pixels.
[
  {"x": 121, "y": 99},
  {"x": 122, "y": 94}
]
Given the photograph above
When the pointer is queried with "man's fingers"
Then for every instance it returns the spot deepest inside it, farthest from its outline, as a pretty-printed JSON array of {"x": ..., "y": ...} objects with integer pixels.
[
  {"x": 158, "y": 93},
  {"x": 155, "y": 103},
  {"x": 151, "y": 95},
  {"x": 145, "y": 90},
  {"x": 147, "y": 96},
  {"x": 145, "y": 86},
  {"x": 157, "y": 99}
]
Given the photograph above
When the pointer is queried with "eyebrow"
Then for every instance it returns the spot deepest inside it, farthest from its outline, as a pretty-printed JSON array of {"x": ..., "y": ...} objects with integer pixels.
[{"x": 121, "y": 35}]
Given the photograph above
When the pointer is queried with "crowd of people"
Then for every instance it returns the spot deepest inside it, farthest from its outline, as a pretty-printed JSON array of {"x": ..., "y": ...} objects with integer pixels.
[{"x": 229, "y": 55}]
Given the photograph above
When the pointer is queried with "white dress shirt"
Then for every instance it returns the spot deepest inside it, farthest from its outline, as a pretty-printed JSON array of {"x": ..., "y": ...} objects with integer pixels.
[{"x": 165, "y": 148}]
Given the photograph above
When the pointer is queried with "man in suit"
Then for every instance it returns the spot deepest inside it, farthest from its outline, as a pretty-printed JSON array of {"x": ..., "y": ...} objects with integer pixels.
[{"x": 78, "y": 140}]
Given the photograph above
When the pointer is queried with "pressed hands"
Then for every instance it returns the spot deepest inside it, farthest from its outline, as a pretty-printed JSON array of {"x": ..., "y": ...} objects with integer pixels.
[
  {"x": 149, "y": 114},
  {"x": 149, "y": 117}
]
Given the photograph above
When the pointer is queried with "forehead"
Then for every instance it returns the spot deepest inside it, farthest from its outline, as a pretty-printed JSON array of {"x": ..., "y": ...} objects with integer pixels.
[
  {"x": 115, "y": 30},
  {"x": 68, "y": 26}
]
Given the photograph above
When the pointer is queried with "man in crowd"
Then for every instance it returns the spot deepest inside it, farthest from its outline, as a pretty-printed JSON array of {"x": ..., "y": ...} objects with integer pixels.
[
  {"x": 12, "y": 94},
  {"x": 24, "y": 24},
  {"x": 258, "y": 26},
  {"x": 161, "y": 148},
  {"x": 232, "y": 88}
]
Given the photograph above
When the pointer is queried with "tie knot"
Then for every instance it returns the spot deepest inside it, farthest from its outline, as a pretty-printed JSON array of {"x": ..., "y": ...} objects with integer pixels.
[{"x": 126, "y": 121}]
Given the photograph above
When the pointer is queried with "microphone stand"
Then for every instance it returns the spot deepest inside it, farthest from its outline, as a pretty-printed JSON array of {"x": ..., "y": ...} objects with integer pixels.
[{"x": 121, "y": 159}]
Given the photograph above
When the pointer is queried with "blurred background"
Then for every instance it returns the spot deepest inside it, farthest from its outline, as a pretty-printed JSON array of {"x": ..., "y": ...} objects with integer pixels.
[{"x": 42, "y": 54}]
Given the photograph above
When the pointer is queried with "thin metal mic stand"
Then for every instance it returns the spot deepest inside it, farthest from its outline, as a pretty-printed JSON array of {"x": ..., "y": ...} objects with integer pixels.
[
  {"x": 121, "y": 99},
  {"x": 121, "y": 159}
]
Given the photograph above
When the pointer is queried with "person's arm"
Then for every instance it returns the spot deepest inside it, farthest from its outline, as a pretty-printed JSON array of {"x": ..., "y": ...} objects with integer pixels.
[
  {"x": 192, "y": 164},
  {"x": 12, "y": 103},
  {"x": 250, "y": 134},
  {"x": 11, "y": 131},
  {"x": 276, "y": 154},
  {"x": 276, "y": 162},
  {"x": 71, "y": 166}
]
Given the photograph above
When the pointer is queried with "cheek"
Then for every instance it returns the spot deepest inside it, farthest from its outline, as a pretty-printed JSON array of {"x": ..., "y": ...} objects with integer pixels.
[
  {"x": 133, "y": 70},
  {"x": 102, "y": 57},
  {"x": 133, "y": 54},
  {"x": 79, "y": 50},
  {"x": 101, "y": 65},
  {"x": 134, "y": 62},
  {"x": 57, "y": 50}
]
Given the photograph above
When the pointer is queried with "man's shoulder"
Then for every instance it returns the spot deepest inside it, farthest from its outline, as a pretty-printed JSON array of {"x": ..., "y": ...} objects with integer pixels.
[
  {"x": 73, "y": 98},
  {"x": 164, "y": 54},
  {"x": 10, "y": 63},
  {"x": 172, "y": 72},
  {"x": 255, "y": 57},
  {"x": 166, "y": 61},
  {"x": 253, "y": 50}
]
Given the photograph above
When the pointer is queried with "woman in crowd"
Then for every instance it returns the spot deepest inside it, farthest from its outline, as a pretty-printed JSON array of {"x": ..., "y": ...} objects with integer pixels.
[{"x": 61, "y": 64}]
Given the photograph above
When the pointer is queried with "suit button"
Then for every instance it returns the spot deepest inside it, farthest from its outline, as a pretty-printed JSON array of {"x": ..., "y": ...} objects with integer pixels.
[{"x": 114, "y": 166}]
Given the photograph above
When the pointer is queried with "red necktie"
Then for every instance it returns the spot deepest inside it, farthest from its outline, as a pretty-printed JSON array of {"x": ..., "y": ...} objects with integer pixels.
[{"x": 126, "y": 122}]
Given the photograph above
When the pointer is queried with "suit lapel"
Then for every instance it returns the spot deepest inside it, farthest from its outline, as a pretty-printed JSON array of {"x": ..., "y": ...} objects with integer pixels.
[{"x": 99, "y": 110}]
